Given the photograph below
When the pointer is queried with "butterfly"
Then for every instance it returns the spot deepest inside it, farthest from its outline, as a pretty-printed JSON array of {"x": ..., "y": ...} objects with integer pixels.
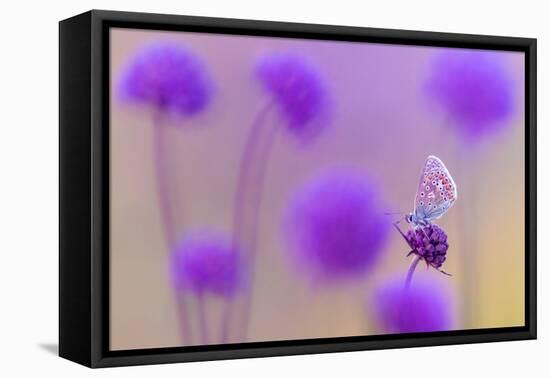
[{"x": 435, "y": 195}]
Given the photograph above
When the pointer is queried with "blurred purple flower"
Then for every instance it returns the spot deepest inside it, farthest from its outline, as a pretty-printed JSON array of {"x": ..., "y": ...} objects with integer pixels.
[
  {"x": 167, "y": 76},
  {"x": 335, "y": 226},
  {"x": 474, "y": 89},
  {"x": 430, "y": 243},
  {"x": 298, "y": 90},
  {"x": 425, "y": 306},
  {"x": 206, "y": 262}
]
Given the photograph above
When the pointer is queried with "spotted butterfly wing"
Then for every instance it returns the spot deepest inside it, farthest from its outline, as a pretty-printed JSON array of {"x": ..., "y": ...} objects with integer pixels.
[{"x": 436, "y": 191}]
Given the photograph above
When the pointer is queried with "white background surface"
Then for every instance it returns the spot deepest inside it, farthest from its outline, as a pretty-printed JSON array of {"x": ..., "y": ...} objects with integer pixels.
[{"x": 29, "y": 187}]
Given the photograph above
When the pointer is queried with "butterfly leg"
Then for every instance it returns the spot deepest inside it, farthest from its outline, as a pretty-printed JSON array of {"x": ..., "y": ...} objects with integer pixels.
[
  {"x": 445, "y": 273},
  {"x": 395, "y": 224}
]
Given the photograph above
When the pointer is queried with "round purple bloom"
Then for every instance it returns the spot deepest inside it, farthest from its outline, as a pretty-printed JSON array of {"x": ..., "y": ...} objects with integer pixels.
[
  {"x": 430, "y": 243},
  {"x": 206, "y": 262},
  {"x": 335, "y": 226},
  {"x": 298, "y": 90},
  {"x": 425, "y": 306},
  {"x": 167, "y": 76},
  {"x": 474, "y": 89}
]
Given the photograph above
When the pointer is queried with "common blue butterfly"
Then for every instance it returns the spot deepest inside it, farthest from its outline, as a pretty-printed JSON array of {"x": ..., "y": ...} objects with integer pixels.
[{"x": 435, "y": 195}]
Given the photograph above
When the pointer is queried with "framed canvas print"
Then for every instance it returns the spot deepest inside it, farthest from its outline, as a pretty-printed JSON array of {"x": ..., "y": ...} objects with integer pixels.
[{"x": 233, "y": 188}]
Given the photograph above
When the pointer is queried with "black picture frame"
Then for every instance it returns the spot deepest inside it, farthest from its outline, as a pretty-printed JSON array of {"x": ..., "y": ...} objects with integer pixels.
[{"x": 84, "y": 188}]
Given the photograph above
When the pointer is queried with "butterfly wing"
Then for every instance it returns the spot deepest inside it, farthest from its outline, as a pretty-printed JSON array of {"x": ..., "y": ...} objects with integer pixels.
[{"x": 436, "y": 191}]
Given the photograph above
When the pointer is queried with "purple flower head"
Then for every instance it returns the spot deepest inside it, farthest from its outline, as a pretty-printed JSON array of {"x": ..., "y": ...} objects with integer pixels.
[
  {"x": 335, "y": 227},
  {"x": 206, "y": 262},
  {"x": 169, "y": 77},
  {"x": 474, "y": 89},
  {"x": 298, "y": 90},
  {"x": 425, "y": 306},
  {"x": 430, "y": 243}
]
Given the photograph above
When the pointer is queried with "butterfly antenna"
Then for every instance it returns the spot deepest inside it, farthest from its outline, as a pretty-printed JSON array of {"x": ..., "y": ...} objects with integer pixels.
[{"x": 397, "y": 213}]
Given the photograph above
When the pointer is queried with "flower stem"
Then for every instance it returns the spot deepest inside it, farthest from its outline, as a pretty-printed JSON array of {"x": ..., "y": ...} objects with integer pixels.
[
  {"x": 410, "y": 272},
  {"x": 159, "y": 157},
  {"x": 248, "y": 196}
]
